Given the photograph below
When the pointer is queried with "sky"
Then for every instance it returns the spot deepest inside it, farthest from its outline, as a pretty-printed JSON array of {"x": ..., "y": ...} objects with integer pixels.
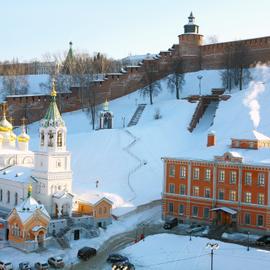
[{"x": 32, "y": 28}]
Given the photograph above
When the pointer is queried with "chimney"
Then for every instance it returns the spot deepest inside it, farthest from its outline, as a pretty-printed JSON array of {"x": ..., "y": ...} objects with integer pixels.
[{"x": 211, "y": 139}]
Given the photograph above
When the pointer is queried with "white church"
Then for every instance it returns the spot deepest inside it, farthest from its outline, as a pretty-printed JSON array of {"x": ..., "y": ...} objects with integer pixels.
[{"x": 48, "y": 170}]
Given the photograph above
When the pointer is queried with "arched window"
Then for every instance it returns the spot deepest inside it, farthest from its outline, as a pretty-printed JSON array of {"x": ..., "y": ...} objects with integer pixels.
[
  {"x": 1, "y": 195},
  {"x": 59, "y": 187},
  {"x": 50, "y": 139},
  {"x": 16, "y": 198},
  {"x": 59, "y": 138},
  {"x": 42, "y": 137},
  {"x": 8, "y": 196}
]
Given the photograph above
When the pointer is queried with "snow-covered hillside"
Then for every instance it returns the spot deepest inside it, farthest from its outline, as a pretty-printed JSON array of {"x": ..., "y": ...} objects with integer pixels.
[
  {"x": 109, "y": 156},
  {"x": 177, "y": 252}
]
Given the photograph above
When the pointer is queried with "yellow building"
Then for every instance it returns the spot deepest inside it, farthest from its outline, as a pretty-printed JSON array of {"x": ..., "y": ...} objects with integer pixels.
[{"x": 97, "y": 206}]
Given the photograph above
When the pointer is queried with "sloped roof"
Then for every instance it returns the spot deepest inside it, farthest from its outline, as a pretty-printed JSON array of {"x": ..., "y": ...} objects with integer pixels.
[{"x": 28, "y": 208}]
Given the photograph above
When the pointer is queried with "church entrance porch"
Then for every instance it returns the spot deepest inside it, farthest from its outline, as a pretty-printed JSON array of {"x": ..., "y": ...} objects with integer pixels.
[{"x": 225, "y": 216}]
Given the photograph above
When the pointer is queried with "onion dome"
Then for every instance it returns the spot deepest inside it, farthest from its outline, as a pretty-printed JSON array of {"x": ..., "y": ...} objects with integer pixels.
[
  {"x": 5, "y": 125},
  {"x": 23, "y": 137},
  {"x": 52, "y": 117}
]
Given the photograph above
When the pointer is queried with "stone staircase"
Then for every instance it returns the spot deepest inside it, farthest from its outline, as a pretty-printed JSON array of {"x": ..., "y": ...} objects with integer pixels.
[
  {"x": 62, "y": 241},
  {"x": 137, "y": 115}
]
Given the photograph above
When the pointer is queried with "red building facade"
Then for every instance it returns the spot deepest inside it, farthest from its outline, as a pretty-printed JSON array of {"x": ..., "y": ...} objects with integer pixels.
[{"x": 225, "y": 190}]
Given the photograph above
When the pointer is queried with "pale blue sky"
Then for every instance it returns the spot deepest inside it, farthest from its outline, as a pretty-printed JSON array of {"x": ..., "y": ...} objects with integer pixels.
[{"x": 30, "y": 28}]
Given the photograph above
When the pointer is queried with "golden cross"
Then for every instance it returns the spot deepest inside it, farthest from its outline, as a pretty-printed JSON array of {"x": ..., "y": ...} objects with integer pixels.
[
  {"x": 23, "y": 120},
  {"x": 4, "y": 108}
]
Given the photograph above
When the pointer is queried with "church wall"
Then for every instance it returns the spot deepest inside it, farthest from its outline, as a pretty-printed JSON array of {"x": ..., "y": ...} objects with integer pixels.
[{"x": 13, "y": 187}]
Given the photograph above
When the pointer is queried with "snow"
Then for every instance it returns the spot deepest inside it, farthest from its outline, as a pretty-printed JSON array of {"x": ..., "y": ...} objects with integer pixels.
[
  {"x": 16, "y": 173},
  {"x": 167, "y": 251},
  {"x": 134, "y": 177},
  {"x": 69, "y": 256},
  {"x": 28, "y": 207},
  {"x": 225, "y": 209}
]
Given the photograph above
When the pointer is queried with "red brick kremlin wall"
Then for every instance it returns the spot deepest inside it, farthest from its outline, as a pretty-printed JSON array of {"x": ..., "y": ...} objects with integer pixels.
[{"x": 193, "y": 55}]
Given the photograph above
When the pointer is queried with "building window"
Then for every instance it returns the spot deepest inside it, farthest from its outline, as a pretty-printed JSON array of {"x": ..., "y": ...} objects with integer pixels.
[
  {"x": 233, "y": 177},
  {"x": 50, "y": 139},
  {"x": 181, "y": 209},
  {"x": 196, "y": 191},
  {"x": 183, "y": 189},
  {"x": 206, "y": 212},
  {"x": 207, "y": 192},
  {"x": 232, "y": 195},
  {"x": 42, "y": 137},
  {"x": 183, "y": 172},
  {"x": 261, "y": 198},
  {"x": 1, "y": 195},
  {"x": 251, "y": 145},
  {"x": 260, "y": 220},
  {"x": 195, "y": 211},
  {"x": 261, "y": 179},
  {"x": 207, "y": 174},
  {"x": 248, "y": 178},
  {"x": 16, "y": 198},
  {"x": 221, "y": 176},
  {"x": 221, "y": 194},
  {"x": 247, "y": 218},
  {"x": 59, "y": 138},
  {"x": 172, "y": 170},
  {"x": 170, "y": 207},
  {"x": 248, "y": 197},
  {"x": 172, "y": 188},
  {"x": 196, "y": 173},
  {"x": 8, "y": 196}
]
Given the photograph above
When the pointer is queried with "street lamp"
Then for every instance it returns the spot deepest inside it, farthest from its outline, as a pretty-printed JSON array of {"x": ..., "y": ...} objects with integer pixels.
[
  {"x": 248, "y": 241},
  {"x": 212, "y": 246},
  {"x": 199, "y": 77}
]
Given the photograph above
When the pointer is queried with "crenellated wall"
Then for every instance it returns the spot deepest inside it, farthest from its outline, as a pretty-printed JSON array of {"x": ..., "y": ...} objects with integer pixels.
[{"x": 193, "y": 55}]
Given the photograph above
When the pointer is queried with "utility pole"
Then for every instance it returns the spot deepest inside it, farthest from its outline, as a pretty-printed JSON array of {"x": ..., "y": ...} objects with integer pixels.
[
  {"x": 212, "y": 246},
  {"x": 248, "y": 241}
]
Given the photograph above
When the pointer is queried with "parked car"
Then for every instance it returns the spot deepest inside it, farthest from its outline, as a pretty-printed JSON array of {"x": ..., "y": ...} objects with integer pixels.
[
  {"x": 56, "y": 262},
  {"x": 115, "y": 258},
  {"x": 6, "y": 265},
  {"x": 195, "y": 228},
  {"x": 41, "y": 266},
  {"x": 264, "y": 240},
  {"x": 25, "y": 266},
  {"x": 86, "y": 253},
  {"x": 123, "y": 265},
  {"x": 170, "y": 223}
]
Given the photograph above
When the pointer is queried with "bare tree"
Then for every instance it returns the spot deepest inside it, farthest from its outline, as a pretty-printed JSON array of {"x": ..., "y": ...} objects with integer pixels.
[
  {"x": 236, "y": 73},
  {"x": 152, "y": 85},
  {"x": 12, "y": 82},
  {"x": 177, "y": 79}
]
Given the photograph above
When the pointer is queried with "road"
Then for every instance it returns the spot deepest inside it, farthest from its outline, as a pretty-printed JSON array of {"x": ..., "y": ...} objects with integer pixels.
[{"x": 120, "y": 241}]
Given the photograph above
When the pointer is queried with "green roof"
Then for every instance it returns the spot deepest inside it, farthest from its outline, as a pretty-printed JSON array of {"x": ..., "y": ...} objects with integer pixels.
[{"x": 53, "y": 116}]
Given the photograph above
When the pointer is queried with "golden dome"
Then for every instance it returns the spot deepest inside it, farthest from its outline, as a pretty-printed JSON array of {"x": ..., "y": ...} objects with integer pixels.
[
  {"x": 106, "y": 105},
  {"x": 23, "y": 137},
  {"x": 5, "y": 125}
]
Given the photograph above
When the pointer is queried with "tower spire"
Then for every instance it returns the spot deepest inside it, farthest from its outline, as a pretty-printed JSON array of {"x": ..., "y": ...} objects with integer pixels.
[{"x": 53, "y": 92}]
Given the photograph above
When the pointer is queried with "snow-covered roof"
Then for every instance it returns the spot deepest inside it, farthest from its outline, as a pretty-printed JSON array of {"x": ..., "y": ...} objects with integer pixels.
[
  {"x": 62, "y": 194},
  {"x": 225, "y": 209},
  {"x": 17, "y": 173},
  {"x": 37, "y": 228},
  {"x": 28, "y": 207},
  {"x": 95, "y": 199},
  {"x": 254, "y": 135}
]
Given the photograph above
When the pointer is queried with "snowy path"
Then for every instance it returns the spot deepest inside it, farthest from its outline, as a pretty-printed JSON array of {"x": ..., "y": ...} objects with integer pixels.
[{"x": 139, "y": 161}]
